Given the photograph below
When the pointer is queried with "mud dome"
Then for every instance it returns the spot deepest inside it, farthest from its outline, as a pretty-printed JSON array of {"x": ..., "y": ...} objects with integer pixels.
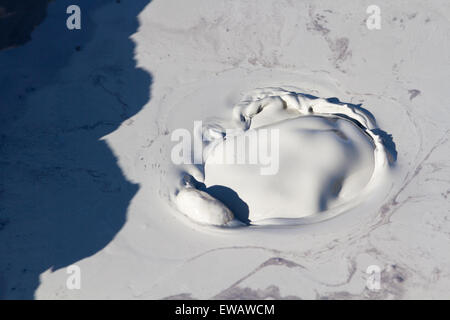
[{"x": 324, "y": 159}]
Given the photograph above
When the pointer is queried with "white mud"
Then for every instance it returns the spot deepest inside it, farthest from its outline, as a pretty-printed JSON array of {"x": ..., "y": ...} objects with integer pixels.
[{"x": 312, "y": 159}]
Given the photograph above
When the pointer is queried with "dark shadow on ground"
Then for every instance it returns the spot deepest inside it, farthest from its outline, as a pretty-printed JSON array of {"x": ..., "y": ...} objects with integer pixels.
[
  {"x": 18, "y": 19},
  {"x": 226, "y": 195},
  {"x": 231, "y": 200},
  {"x": 62, "y": 195}
]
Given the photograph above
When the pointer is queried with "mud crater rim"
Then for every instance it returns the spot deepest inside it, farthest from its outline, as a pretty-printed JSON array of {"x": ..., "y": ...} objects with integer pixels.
[{"x": 210, "y": 201}]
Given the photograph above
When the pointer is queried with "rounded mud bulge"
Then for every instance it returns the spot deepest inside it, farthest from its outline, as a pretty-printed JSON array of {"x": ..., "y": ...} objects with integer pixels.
[{"x": 285, "y": 158}]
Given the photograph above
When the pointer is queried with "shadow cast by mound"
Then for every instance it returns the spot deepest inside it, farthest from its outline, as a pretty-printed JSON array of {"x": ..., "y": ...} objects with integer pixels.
[
  {"x": 226, "y": 195},
  {"x": 231, "y": 200}
]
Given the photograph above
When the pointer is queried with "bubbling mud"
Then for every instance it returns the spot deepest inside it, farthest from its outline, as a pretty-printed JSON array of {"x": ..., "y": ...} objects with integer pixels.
[{"x": 284, "y": 158}]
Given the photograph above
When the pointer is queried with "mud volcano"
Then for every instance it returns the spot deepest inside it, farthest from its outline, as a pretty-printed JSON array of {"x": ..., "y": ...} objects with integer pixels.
[{"x": 287, "y": 158}]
